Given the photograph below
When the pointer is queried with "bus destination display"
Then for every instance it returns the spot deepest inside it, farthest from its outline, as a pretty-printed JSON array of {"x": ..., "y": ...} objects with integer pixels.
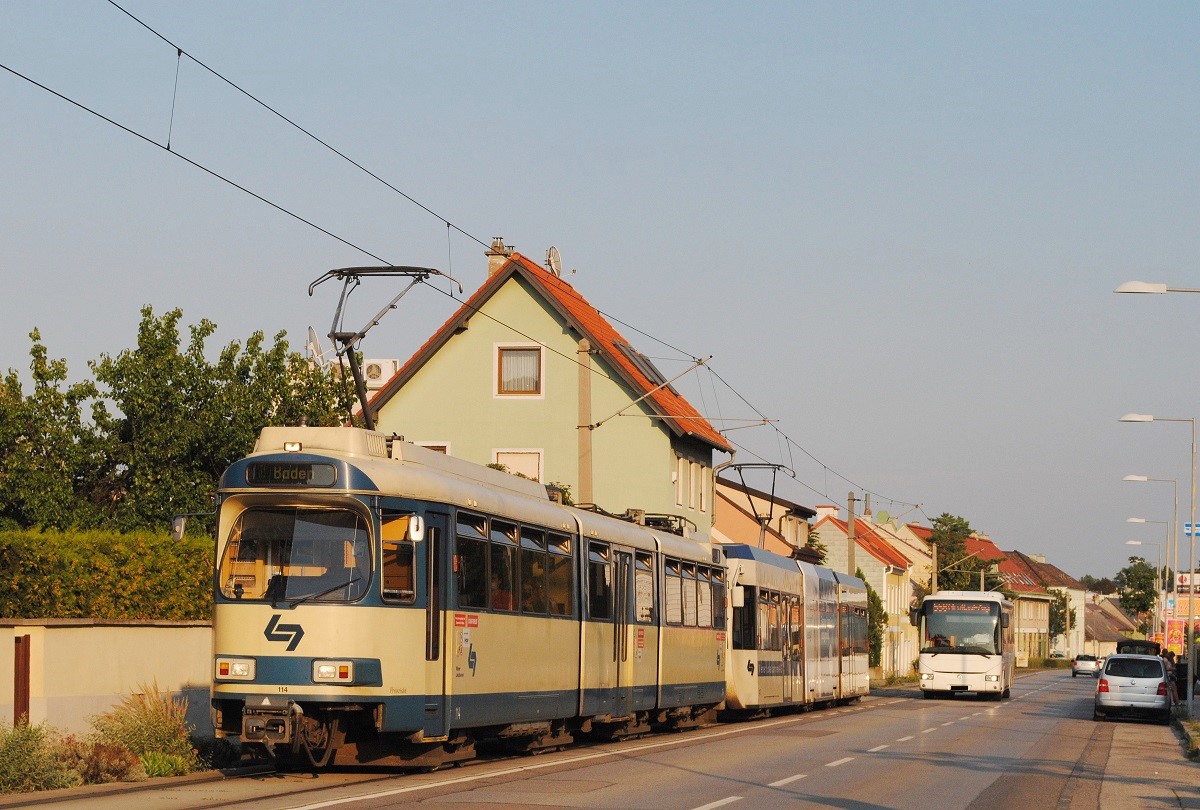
[
  {"x": 962, "y": 607},
  {"x": 290, "y": 474}
]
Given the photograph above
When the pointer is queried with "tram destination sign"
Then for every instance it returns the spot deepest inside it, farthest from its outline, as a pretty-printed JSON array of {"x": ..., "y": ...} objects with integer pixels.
[{"x": 290, "y": 474}]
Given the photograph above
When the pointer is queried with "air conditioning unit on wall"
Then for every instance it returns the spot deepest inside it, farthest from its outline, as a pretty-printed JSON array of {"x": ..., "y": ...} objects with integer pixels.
[{"x": 378, "y": 372}]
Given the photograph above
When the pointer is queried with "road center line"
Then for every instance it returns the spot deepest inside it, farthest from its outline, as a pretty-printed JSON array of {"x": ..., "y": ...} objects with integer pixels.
[
  {"x": 837, "y": 762},
  {"x": 926, "y": 731},
  {"x": 720, "y": 803},
  {"x": 788, "y": 781},
  {"x": 905, "y": 739},
  {"x": 876, "y": 748}
]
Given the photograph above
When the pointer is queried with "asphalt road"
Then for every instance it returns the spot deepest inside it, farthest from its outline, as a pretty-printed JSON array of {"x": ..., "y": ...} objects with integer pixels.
[{"x": 892, "y": 750}]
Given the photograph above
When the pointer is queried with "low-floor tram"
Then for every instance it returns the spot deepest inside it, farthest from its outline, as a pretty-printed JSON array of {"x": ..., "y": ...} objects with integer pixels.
[{"x": 378, "y": 602}]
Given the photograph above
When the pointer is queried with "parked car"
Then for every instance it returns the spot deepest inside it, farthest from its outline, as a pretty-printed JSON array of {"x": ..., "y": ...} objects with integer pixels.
[
  {"x": 1083, "y": 663},
  {"x": 1058, "y": 654},
  {"x": 1134, "y": 685}
]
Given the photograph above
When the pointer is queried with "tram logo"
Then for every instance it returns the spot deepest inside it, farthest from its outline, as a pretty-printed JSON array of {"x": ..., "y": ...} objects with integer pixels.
[{"x": 291, "y": 633}]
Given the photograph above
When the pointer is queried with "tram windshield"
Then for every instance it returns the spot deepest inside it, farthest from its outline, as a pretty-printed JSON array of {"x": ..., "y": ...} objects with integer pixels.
[
  {"x": 296, "y": 555},
  {"x": 960, "y": 627}
]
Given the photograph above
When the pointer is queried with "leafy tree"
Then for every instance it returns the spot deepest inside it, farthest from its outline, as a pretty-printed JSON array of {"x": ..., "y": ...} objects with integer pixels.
[
  {"x": 182, "y": 421},
  {"x": 960, "y": 572},
  {"x": 1136, "y": 583},
  {"x": 1103, "y": 585},
  {"x": 1059, "y": 611},
  {"x": 876, "y": 621},
  {"x": 814, "y": 543},
  {"x": 51, "y": 461}
]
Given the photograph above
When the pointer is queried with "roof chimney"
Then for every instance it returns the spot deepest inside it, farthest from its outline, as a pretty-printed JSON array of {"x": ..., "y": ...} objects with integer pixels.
[
  {"x": 497, "y": 255},
  {"x": 826, "y": 510}
]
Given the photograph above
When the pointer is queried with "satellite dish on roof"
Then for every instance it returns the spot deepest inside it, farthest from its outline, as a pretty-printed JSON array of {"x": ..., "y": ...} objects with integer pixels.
[
  {"x": 554, "y": 261},
  {"x": 314, "y": 348}
]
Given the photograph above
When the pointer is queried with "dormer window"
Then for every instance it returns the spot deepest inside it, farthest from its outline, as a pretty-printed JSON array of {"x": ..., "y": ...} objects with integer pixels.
[{"x": 519, "y": 371}]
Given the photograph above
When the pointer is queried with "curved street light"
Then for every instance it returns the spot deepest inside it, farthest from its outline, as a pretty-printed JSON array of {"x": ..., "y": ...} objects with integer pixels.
[{"x": 1191, "y": 610}]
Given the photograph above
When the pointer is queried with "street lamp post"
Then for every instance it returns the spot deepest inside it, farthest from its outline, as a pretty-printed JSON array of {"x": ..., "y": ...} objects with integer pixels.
[
  {"x": 1191, "y": 645},
  {"x": 1172, "y": 541},
  {"x": 1157, "y": 573}
]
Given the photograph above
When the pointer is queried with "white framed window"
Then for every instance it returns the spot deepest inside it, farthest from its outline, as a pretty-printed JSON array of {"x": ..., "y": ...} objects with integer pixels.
[
  {"x": 519, "y": 370},
  {"x": 680, "y": 479},
  {"x": 694, "y": 486},
  {"x": 705, "y": 483},
  {"x": 520, "y": 461}
]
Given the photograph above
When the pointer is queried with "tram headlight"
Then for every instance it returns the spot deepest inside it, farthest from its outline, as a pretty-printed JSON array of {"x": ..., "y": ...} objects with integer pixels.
[
  {"x": 235, "y": 669},
  {"x": 333, "y": 672}
]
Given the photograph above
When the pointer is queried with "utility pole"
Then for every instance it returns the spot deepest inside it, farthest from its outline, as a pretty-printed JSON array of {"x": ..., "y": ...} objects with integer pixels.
[
  {"x": 850, "y": 499},
  {"x": 933, "y": 585}
]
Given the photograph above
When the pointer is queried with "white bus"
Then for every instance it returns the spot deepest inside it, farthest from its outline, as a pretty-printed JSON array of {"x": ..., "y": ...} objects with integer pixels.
[{"x": 967, "y": 643}]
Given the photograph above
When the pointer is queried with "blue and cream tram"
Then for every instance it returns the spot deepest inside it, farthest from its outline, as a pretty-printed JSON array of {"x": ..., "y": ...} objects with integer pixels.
[
  {"x": 798, "y": 635},
  {"x": 380, "y": 602}
]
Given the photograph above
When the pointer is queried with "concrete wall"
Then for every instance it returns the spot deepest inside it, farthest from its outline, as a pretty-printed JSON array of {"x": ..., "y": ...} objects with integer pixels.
[{"x": 80, "y": 668}]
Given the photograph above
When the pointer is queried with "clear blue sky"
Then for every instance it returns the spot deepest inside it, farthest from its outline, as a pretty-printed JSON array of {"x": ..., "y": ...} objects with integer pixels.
[{"x": 896, "y": 227}]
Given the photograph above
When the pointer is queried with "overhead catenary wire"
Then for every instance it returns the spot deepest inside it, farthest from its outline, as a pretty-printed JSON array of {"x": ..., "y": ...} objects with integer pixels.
[{"x": 789, "y": 443}]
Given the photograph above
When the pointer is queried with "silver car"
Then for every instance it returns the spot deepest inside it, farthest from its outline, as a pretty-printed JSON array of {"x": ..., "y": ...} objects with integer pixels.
[
  {"x": 1133, "y": 685},
  {"x": 1083, "y": 663}
]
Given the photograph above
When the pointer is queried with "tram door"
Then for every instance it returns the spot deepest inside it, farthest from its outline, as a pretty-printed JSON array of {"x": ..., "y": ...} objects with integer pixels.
[
  {"x": 437, "y": 686},
  {"x": 623, "y": 696},
  {"x": 792, "y": 651},
  {"x": 793, "y": 669},
  {"x": 607, "y": 663}
]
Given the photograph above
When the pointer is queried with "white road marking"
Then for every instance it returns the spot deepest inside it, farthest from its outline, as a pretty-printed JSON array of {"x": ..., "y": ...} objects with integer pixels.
[
  {"x": 905, "y": 739},
  {"x": 788, "y": 781},
  {"x": 926, "y": 731},
  {"x": 721, "y": 803},
  {"x": 877, "y": 748},
  {"x": 838, "y": 762}
]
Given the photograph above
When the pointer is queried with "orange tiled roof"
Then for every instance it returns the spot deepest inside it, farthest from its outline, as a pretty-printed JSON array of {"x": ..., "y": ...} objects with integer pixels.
[
  {"x": 679, "y": 414},
  {"x": 871, "y": 542}
]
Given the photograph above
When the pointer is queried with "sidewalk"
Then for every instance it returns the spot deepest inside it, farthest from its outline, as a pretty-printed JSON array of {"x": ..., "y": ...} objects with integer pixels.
[{"x": 1147, "y": 768}]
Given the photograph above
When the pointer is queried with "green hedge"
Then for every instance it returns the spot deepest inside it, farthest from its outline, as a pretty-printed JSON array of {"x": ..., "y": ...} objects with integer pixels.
[{"x": 103, "y": 575}]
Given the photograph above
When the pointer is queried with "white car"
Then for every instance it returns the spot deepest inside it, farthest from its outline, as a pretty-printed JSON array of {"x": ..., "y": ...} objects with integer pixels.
[{"x": 1084, "y": 663}]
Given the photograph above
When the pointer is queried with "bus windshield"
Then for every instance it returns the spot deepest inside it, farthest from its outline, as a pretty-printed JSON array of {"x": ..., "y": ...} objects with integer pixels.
[
  {"x": 960, "y": 627},
  {"x": 296, "y": 555}
]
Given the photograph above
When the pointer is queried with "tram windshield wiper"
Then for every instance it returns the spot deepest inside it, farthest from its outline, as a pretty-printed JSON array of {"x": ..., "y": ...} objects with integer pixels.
[{"x": 301, "y": 599}]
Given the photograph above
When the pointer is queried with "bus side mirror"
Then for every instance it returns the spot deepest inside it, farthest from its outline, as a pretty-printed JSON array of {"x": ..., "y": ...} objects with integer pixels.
[
  {"x": 738, "y": 597},
  {"x": 1004, "y": 620},
  {"x": 914, "y": 616}
]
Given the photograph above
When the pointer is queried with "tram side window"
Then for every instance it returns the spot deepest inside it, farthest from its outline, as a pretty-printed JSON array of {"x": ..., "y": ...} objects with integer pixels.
[
  {"x": 745, "y": 620},
  {"x": 533, "y": 570},
  {"x": 643, "y": 589},
  {"x": 471, "y": 561},
  {"x": 504, "y": 570},
  {"x": 703, "y": 597},
  {"x": 673, "y": 592},
  {"x": 861, "y": 632},
  {"x": 600, "y": 584},
  {"x": 559, "y": 579},
  {"x": 769, "y": 625},
  {"x": 796, "y": 623},
  {"x": 689, "y": 595},
  {"x": 399, "y": 578},
  {"x": 718, "y": 598}
]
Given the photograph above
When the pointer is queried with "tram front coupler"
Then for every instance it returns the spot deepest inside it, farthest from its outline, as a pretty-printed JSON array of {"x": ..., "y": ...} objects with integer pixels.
[{"x": 269, "y": 727}]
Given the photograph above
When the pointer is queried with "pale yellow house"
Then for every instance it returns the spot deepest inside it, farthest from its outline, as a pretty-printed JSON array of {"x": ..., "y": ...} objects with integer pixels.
[{"x": 529, "y": 375}]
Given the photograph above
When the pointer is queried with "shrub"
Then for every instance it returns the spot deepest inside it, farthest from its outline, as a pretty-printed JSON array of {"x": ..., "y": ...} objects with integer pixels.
[
  {"x": 28, "y": 761},
  {"x": 149, "y": 722},
  {"x": 98, "y": 761},
  {"x": 157, "y": 763}
]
